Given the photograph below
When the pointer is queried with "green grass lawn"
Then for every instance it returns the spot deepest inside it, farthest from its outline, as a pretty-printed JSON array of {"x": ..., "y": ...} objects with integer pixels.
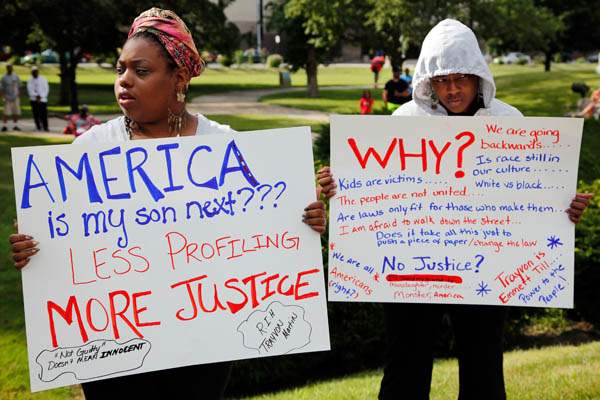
[
  {"x": 96, "y": 84},
  {"x": 257, "y": 122},
  {"x": 551, "y": 373},
  {"x": 529, "y": 88}
]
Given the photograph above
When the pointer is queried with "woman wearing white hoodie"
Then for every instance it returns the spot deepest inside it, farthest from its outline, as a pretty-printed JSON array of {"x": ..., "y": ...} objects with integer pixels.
[{"x": 451, "y": 78}]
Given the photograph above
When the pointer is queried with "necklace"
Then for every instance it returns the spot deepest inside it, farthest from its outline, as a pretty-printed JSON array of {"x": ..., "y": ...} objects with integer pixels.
[{"x": 129, "y": 127}]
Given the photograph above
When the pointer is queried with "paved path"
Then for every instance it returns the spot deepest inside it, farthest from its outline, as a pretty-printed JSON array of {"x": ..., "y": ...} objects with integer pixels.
[
  {"x": 228, "y": 103},
  {"x": 247, "y": 102}
]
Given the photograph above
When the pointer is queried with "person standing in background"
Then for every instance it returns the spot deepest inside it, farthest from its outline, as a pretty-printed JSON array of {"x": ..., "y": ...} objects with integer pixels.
[
  {"x": 366, "y": 103},
  {"x": 10, "y": 85},
  {"x": 376, "y": 65},
  {"x": 38, "y": 89}
]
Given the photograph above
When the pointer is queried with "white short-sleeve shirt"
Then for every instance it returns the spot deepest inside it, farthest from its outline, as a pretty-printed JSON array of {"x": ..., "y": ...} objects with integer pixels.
[{"x": 114, "y": 130}]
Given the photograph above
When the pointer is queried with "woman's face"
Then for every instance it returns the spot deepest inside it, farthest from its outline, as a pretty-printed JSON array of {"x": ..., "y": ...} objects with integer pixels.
[
  {"x": 145, "y": 86},
  {"x": 456, "y": 91}
]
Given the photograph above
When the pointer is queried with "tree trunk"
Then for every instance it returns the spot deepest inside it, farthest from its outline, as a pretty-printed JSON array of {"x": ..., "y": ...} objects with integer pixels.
[
  {"x": 396, "y": 60},
  {"x": 547, "y": 61},
  {"x": 64, "y": 98},
  {"x": 311, "y": 72},
  {"x": 74, "y": 57}
]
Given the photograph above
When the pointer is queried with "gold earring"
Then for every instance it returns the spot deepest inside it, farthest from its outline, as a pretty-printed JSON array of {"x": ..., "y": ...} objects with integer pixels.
[{"x": 180, "y": 97}]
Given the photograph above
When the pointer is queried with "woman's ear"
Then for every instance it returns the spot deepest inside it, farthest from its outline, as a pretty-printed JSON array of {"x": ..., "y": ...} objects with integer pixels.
[{"x": 182, "y": 79}]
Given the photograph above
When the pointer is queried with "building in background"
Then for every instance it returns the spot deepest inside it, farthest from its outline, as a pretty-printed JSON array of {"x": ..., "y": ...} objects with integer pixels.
[{"x": 244, "y": 14}]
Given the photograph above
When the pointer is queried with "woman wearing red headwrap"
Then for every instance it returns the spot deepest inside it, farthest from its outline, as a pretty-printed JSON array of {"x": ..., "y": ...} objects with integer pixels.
[{"x": 153, "y": 73}]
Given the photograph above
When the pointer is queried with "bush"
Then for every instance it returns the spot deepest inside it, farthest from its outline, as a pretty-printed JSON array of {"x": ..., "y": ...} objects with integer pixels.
[
  {"x": 321, "y": 146},
  {"x": 224, "y": 60},
  {"x": 522, "y": 61},
  {"x": 589, "y": 169},
  {"x": 15, "y": 60},
  {"x": 587, "y": 258},
  {"x": 239, "y": 57},
  {"x": 274, "y": 61}
]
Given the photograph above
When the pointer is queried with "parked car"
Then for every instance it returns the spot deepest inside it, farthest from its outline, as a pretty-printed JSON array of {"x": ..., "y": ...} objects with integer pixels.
[
  {"x": 46, "y": 56},
  {"x": 49, "y": 56},
  {"x": 592, "y": 57},
  {"x": 513, "y": 58}
]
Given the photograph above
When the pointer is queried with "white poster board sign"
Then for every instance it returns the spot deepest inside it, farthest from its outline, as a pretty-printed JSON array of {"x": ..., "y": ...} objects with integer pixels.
[
  {"x": 164, "y": 253},
  {"x": 456, "y": 210}
]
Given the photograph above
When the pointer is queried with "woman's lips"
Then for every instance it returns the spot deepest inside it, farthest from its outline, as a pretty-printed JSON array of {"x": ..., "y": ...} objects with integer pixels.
[{"x": 125, "y": 99}]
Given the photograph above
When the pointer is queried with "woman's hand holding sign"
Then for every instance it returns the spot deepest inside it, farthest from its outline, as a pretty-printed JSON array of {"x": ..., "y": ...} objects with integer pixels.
[
  {"x": 22, "y": 247},
  {"x": 578, "y": 206},
  {"x": 326, "y": 181}
]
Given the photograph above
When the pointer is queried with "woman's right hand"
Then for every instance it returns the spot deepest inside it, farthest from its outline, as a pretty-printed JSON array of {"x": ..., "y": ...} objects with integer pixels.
[{"x": 23, "y": 247}]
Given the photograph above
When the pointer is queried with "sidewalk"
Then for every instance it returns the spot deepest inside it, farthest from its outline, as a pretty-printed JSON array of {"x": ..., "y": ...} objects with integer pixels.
[
  {"x": 228, "y": 103},
  {"x": 247, "y": 102}
]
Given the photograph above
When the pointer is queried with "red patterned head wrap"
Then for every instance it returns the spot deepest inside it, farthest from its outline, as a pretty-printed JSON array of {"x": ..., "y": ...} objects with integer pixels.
[{"x": 174, "y": 35}]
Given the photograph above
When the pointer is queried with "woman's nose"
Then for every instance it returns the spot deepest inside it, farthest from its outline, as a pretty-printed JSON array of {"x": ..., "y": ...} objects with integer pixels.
[{"x": 125, "y": 79}]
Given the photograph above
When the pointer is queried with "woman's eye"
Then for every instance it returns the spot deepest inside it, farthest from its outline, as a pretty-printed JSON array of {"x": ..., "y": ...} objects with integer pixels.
[
  {"x": 141, "y": 71},
  {"x": 119, "y": 70}
]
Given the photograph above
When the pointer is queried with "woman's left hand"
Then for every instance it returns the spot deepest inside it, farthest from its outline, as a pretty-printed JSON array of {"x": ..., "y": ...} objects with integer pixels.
[
  {"x": 578, "y": 206},
  {"x": 314, "y": 216}
]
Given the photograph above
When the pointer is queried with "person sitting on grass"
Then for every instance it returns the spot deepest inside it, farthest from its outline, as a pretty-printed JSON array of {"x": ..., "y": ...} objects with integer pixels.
[
  {"x": 592, "y": 110},
  {"x": 78, "y": 124},
  {"x": 396, "y": 92}
]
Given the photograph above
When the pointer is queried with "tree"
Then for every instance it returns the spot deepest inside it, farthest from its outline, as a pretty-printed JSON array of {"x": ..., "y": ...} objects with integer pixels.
[
  {"x": 311, "y": 32},
  {"x": 400, "y": 23},
  {"x": 70, "y": 28},
  {"x": 513, "y": 25},
  {"x": 580, "y": 30},
  {"x": 100, "y": 26}
]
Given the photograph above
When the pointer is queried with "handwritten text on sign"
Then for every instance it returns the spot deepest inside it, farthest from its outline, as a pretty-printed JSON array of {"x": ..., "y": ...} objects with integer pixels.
[
  {"x": 453, "y": 210},
  {"x": 163, "y": 253}
]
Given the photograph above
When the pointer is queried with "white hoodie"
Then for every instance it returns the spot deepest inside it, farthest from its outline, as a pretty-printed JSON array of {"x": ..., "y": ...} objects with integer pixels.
[{"x": 451, "y": 48}]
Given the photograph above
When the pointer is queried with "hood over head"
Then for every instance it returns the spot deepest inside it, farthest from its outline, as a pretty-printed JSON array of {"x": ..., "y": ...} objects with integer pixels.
[{"x": 450, "y": 48}]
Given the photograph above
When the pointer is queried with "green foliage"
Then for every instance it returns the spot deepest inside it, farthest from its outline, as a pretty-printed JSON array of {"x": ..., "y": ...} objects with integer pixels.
[
  {"x": 589, "y": 169},
  {"x": 224, "y": 60},
  {"x": 239, "y": 57},
  {"x": 400, "y": 23},
  {"x": 274, "y": 60},
  {"x": 587, "y": 258},
  {"x": 321, "y": 146}
]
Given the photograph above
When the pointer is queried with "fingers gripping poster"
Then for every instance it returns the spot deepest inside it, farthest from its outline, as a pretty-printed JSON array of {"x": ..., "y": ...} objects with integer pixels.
[
  {"x": 457, "y": 210},
  {"x": 170, "y": 252}
]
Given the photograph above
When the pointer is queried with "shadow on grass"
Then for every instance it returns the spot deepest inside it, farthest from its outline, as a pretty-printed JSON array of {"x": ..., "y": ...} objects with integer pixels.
[{"x": 576, "y": 334}]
